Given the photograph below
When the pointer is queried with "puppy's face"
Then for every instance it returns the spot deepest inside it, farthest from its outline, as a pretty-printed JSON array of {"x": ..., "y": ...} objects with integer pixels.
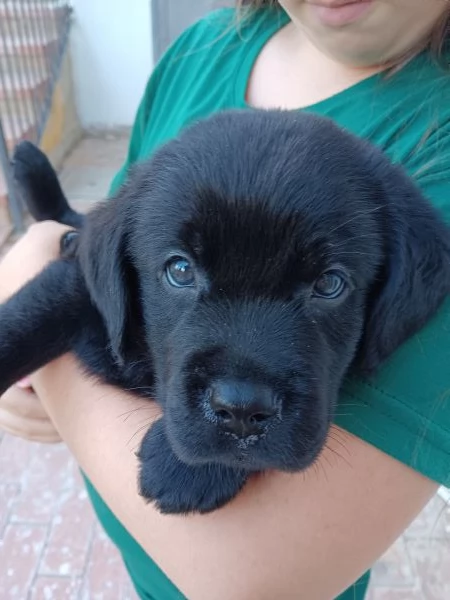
[
  {"x": 254, "y": 295},
  {"x": 254, "y": 317}
]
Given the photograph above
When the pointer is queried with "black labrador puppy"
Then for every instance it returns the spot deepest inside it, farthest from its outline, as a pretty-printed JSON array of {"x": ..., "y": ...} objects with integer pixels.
[{"x": 236, "y": 277}]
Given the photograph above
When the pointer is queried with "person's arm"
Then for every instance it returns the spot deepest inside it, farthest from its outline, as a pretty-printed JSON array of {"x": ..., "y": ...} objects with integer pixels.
[{"x": 285, "y": 536}]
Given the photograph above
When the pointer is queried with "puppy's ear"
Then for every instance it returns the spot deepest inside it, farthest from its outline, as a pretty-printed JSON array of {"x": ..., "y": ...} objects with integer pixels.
[
  {"x": 107, "y": 270},
  {"x": 415, "y": 278}
]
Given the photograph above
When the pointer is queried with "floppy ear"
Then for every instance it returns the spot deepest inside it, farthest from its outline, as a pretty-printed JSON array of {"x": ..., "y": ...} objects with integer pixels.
[
  {"x": 415, "y": 278},
  {"x": 109, "y": 275}
]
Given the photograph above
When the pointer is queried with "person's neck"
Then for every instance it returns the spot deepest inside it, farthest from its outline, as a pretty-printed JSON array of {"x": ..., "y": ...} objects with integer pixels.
[
  {"x": 304, "y": 51},
  {"x": 291, "y": 72}
]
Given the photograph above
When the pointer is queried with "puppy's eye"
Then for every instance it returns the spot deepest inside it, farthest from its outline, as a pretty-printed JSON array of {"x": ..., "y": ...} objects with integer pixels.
[
  {"x": 179, "y": 273},
  {"x": 330, "y": 285}
]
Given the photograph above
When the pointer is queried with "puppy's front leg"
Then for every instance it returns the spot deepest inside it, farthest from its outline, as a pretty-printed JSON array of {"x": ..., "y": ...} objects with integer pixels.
[
  {"x": 40, "y": 321},
  {"x": 177, "y": 488}
]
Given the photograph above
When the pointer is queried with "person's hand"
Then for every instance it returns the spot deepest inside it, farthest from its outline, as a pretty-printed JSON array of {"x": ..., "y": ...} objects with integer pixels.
[
  {"x": 22, "y": 415},
  {"x": 21, "y": 412},
  {"x": 29, "y": 256}
]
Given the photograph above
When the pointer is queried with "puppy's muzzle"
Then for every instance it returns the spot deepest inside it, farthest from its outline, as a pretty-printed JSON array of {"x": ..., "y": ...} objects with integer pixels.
[{"x": 241, "y": 408}]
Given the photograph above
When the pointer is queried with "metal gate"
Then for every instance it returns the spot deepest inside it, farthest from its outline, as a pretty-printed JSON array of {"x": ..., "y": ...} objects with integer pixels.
[{"x": 33, "y": 39}]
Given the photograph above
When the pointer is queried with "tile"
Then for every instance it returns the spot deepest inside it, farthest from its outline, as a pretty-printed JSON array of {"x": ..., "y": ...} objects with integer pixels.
[
  {"x": 15, "y": 454},
  {"x": 70, "y": 536},
  {"x": 395, "y": 568},
  {"x": 444, "y": 493},
  {"x": 431, "y": 560},
  {"x": 129, "y": 591},
  {"x": 396, "y": 594},
  {"x": 433, "y": 523},
  {"x": 55, "y": 588},
  {"x": 8, "y": 492},
  {"x": 106, "y": 578},
  {"x": 20, "y": 551},
  {"x": 46, "y": 479}
]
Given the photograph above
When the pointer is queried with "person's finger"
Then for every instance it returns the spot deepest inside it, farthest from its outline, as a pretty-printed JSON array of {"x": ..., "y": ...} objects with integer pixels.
[
  {"x": 48, "y": 232},
  {"x": 22, "y": 415},
  {"x": 35, "y": 430},
  {"x": 23, "y": 402},
  {"x": 24, "y": 383},
  {"x": 29, "y": 256}
]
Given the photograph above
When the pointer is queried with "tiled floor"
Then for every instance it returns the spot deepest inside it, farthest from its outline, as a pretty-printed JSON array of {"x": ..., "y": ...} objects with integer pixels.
[{"x": 51, "y": 548}]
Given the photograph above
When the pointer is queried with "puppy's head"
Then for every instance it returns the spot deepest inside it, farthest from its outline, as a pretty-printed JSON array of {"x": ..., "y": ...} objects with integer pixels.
[{"x": 265, "y": 254}]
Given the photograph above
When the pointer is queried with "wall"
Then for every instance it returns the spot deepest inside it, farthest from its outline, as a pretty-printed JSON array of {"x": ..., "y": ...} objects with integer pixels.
[
  {"x": 111, "y": 58},
  {"x": 63, "y": 128},
  {"x": 171, "y": 17}
]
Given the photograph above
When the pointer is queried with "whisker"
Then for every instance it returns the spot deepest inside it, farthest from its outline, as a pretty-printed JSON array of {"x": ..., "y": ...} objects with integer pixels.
[
  {"x": 133, "y": 411},
  {"x": 339, "y": 456},
  {"x": 135, "y": 434},
  {"x": 357, "y": 216},
  {"x": 356, "y": 237},
  {"x": 146, "y": 425},
  {"x": 354, "y": 253},
  {"x": 139, "y": 388}
]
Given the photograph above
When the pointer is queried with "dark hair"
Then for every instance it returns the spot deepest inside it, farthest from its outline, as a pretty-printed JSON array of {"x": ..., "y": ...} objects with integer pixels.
[{"x": 436, "y": 42}]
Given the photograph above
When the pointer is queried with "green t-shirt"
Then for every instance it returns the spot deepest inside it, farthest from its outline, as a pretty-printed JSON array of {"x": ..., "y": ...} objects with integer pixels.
[{"x": 406, "y": 411}]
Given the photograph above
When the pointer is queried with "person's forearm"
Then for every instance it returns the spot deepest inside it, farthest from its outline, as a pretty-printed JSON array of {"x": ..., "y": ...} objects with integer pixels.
[
  {"x": 281, "y": 534},
  {"x": 102, "y": 426}
]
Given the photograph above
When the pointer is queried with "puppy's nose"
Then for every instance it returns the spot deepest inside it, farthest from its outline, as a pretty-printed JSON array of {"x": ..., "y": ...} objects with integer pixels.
[{"x": 242, "y": 408}]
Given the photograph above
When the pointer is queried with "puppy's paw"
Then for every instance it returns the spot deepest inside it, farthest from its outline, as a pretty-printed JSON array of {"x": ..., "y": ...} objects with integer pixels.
[
  {"x": 177, "y": 488},
  {"x": 28, "y": 156},
  {"x": 39, "y": 188},
  {"x": 36, "y": 181},
  {"x": 29, "y": 164}
]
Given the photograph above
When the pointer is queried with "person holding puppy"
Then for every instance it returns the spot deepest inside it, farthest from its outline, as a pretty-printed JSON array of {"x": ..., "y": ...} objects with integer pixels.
[{"x": 380, "y": 69}]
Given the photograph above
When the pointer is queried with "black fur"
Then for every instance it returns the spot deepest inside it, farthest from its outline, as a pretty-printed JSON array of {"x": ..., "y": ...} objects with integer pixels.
[
  {"x": 40, "y": 188},
  {"x": 261, "y": 203}
]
